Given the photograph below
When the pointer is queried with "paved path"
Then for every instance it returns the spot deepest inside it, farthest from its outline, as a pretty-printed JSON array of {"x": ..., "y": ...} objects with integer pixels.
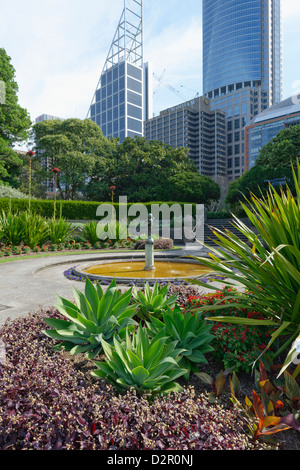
[{"x": 27, "y": 285}]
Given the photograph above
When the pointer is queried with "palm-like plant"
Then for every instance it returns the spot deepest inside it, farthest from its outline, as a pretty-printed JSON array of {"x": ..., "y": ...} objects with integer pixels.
[
  {"x": 140, "y": 362},
  {"x": 268, "y": 265},
  {"x": 96, "y": 316}
]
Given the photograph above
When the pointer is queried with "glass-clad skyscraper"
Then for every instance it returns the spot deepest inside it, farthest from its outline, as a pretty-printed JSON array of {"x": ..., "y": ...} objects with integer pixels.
[
  {"x": 122, "y": 99},
  {"x": 232, "y": 44},
  {"x": 242, "y": 47},
  {"x": 242, "y": 66}
]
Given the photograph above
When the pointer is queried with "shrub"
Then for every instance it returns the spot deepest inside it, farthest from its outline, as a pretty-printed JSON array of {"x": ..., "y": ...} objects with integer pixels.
[
  {"x": 12, "y": 229},
  {"x": 159, "y": 244},
  {"x": 36, "y": 230},
  {"x": 59, "y": 230},
  {"x": 71, "y": 210},
  {"x": 89, "y": 232},
  {"x": 9, "y": 192}
]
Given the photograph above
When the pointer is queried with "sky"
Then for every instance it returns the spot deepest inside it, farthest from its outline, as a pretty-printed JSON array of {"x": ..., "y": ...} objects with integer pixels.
[{"x": 58, "y": 49}]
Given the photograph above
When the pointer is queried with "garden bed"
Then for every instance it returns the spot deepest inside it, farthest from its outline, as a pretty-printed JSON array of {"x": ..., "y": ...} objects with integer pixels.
[{"x": 50, "y": 401}]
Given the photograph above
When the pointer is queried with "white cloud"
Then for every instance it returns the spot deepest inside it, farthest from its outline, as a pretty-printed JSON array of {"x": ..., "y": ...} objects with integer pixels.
[
  {"x": 290, "y": 10},
  {"x": 59, "y": 47},
  {"x": 177, "y": 50}
]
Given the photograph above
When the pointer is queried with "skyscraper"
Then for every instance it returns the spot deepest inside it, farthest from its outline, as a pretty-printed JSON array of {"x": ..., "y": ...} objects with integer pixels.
[
  {"x": 193, "y": 125},
  {"x": 242, "y": 65},
  {"x": 122, "y": 100}
]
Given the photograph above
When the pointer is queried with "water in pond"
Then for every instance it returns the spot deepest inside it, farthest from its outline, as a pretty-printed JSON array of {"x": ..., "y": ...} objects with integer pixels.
[{"x": 135, "y": 269}]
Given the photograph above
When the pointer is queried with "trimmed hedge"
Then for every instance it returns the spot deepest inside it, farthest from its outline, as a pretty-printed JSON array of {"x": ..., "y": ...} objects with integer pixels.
[{"x": 71, "y": 210}]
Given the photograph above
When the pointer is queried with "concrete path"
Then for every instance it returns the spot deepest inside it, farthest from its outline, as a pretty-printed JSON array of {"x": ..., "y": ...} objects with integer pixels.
[{"x": 27, "y": 285}]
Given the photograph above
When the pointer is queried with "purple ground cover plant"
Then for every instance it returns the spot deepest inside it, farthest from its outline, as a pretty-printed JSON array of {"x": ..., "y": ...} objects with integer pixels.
[{"x": 49, "y": 401}]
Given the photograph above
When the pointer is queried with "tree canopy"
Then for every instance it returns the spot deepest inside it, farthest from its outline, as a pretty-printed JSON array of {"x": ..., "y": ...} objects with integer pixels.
[
  {"x": 282, "y": 150},
  {"x": 72, "y": 145},
  {"x": 275, "y": 161},
  {"x": 14, "y": 122},
  {"x": 150, "y": 171},
  {"x": 143, "y": 171}
]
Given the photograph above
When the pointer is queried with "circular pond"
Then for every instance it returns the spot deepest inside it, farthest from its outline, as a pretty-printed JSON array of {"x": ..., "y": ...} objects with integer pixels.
[{"x": 127, "y": 270}]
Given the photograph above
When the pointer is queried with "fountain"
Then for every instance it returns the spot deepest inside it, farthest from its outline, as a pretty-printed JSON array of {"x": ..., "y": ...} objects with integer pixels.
[
  {"x": 149, "y": 247},
  {"x": 125, "y": 269}
]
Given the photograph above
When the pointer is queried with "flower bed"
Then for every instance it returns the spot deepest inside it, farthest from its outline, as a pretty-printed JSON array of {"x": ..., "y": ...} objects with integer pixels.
[
  {"x": 236, "y": 346},
  {"x": 13, "y": 251}
]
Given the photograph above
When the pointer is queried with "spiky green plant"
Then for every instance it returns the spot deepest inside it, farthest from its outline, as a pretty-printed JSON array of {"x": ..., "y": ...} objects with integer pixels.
[
  {"x": 190, "y": 330},
  {"x": 267, "y": 265},
  {"x": 96, "y": 316},
  {"x": 89, "y": 232},
  {"x": 143, "y": 363},
  {"x": 12, "y": 230},
  {"x": 59, "y": 230},
  {"x": 153, "y": 301}
]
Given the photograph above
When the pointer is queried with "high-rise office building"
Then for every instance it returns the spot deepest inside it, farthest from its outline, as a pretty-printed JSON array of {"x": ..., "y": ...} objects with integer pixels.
[
  {"x": 265, "y": 126},
  {"x": 242, "y": 65},
  {"x": 195, "y": 126},
  {"x": 122, "y": 100}
]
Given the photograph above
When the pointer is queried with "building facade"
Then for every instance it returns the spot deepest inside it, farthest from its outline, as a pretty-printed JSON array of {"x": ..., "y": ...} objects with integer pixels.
[
  {"x": 122, "y": 100},
  {"x": 195, "y": 126},
  {"x": 242, "y": 66},
  {"x": 264, "y": 127}
]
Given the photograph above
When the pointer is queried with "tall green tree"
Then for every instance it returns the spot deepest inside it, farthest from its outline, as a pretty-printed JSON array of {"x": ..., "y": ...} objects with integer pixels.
[
  {"x": 73, "y": 146},
  {"x": 14, "y": 122},
  {"x": 148, "y": 171},
  {"x": 282, "y": 150}
]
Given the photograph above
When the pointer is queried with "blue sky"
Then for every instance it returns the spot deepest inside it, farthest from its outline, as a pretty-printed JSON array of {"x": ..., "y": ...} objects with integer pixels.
[{"x": 58, "y": 48}]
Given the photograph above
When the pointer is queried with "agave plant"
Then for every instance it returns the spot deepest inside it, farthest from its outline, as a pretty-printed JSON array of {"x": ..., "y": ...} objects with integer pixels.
[
  {"x": 152, "y": 302},
  {"x": 143, "y": 363},
  {"x": 191, "y": 332},
  {"x": 95, "y": 317},
  {"x": 268, "y": 265}
]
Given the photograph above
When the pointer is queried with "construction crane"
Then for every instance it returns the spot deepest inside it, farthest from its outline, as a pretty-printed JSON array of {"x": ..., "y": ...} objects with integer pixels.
[
  {"x": 197, "y": 92},
  {"x": 171, "y": 88},
  {"x": 159, "y": 79}
]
